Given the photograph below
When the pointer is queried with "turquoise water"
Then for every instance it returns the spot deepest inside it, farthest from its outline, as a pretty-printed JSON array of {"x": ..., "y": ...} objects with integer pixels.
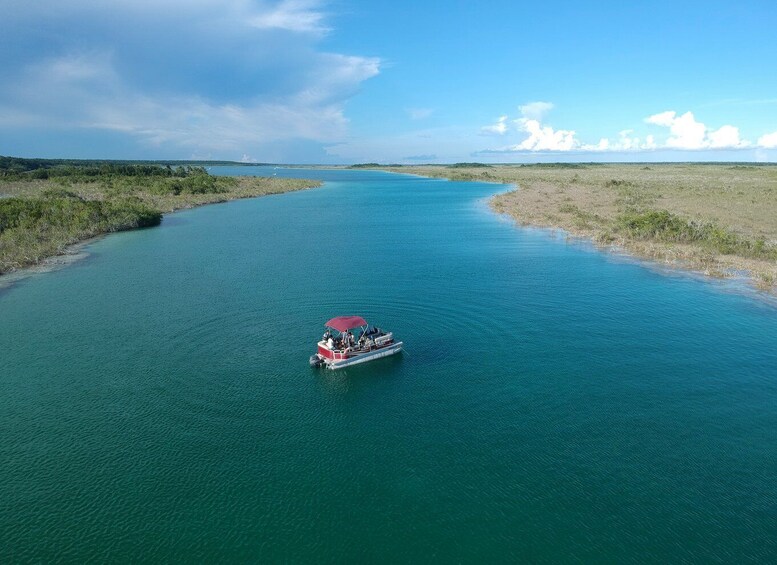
[{"x": 554, "y": 403}]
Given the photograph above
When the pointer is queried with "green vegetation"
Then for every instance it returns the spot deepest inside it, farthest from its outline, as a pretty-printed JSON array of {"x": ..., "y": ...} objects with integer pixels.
[
  {"x": 618, "y": 182},
  {"x": 16, "y": 167},
  {"x": 469, "y": 165},
  {"x": 556, "y": 165},
  {"x": 34, "y": 228},
  {"x": 49, "y": 206},
  {"x": 371, "y": 166},
  {"x": 191, "y": 181},
  {"x": 665, "y": 227}
]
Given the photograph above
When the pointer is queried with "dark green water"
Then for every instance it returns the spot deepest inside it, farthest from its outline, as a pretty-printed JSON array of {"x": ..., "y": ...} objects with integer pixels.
[{"x": 554, "y": 403}]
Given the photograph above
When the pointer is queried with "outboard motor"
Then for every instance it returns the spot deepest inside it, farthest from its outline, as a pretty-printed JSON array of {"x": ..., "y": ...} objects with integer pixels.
[{"x": 316, "y": 361}]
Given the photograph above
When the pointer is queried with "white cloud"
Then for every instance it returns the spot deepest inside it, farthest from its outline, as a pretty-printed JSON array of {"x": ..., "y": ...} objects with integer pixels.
[
  {"x": 626, "y": 141},
  {"x": 541, "y": 137},
  {"x": 292, "y": 15},
  {"x": 499, "y": 128},
  {"x": 665, "y": 119},
  {"x": 336, "y": 77},
  {"x": 535, "y": 110},
  {"x": 231, "y": 75},
  {"x": 687, "y": 133},
  {"x": 768, "y": 141},
  {"x": 101, "y": 99},
  {"x": 302, "y": 16},
  {"x": 726, "y": 136},
  {"x": 104, "y": 101},
  {"x": 78, "y": 67},
  {"x": 544, "y": 138}
]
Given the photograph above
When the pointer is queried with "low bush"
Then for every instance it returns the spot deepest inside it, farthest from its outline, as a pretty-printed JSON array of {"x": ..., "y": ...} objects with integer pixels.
[
  {"x": 663, "y": 226},
  {"x": 33, "y": 228}
]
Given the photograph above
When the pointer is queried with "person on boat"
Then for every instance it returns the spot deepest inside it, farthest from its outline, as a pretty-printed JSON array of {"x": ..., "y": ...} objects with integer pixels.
[{"x": 329, "y": 342}]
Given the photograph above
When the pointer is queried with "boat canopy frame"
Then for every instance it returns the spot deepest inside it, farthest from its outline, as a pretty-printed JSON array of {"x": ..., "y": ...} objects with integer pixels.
[{"x": 345, "y": 323}]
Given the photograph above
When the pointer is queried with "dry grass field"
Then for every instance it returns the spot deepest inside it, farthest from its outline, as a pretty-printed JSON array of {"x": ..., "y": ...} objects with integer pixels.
[{"x": 719, "y": 219}]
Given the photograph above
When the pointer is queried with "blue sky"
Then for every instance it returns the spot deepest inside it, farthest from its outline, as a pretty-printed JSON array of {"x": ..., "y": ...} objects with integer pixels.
[{"x": 310, "y": 81}]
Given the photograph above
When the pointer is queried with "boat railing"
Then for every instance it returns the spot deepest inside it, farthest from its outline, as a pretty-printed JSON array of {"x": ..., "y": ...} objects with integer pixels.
[{"x": 375, "y": 340}]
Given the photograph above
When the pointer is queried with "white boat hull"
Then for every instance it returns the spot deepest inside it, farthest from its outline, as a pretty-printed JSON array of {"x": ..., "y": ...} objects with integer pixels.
[{"x": 364, "y": 357}]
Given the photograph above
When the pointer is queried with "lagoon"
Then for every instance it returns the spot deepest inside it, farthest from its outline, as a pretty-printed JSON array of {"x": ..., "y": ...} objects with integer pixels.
[{"x": 554, "y": 402}]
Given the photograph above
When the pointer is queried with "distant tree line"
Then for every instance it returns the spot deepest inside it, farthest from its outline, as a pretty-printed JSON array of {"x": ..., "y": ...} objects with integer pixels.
[
  {"x": 13, "y": 168},
  {"x": 469, "y": 165},
  {"x": 18, "y": 168}
]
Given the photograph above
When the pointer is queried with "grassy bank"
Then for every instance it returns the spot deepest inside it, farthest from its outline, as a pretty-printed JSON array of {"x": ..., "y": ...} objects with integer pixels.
[
  {"x": 44, "y": 210},
  {"x": 719, "y": 219}
]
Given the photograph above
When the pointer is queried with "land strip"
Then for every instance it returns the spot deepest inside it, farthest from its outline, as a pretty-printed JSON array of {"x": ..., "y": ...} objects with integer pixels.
[
  {"x": 717, "y": 219},
  {"x": 45, "y": 210}
]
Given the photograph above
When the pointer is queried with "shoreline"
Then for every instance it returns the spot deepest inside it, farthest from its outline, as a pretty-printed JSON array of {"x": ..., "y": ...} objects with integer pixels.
[
  {"x": 733, "y": 283},
  {"x": 678, "y": 257},
  {"x": 247, "y": 187},
  {"x": 552, "y": 201},
  {"x": 665, "y": 258},
  {"x": 72, "y": 254}
]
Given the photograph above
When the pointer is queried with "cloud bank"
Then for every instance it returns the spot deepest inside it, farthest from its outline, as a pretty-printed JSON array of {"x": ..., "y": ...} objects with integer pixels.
[
  {"x": 687, "y": 133},
  {"x": 229, "y": 77},
  {"x": 680, "y": 132}
]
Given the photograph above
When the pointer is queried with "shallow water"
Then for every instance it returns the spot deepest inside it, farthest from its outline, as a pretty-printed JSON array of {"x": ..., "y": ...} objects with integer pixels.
[{"x": 554, "y": 403}]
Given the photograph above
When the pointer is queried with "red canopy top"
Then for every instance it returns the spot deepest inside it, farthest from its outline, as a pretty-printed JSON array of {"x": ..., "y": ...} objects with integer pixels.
[{"x": 344, "y": 323}]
